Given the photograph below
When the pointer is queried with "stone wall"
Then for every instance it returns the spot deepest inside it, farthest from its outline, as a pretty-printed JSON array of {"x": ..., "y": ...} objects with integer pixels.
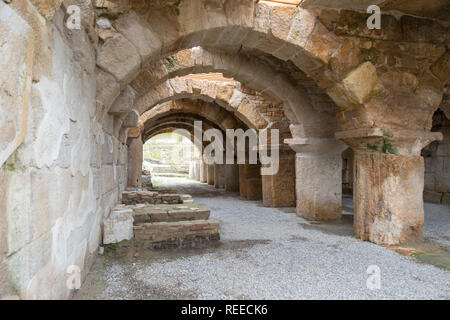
[{"x": 60, "y": 183}]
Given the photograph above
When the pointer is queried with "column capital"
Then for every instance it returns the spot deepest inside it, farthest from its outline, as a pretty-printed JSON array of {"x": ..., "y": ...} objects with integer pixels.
[
  {"x": 398, "y": 142},
  {"x": 316, "y": 146},
  {"x": 134, "y": 132}
]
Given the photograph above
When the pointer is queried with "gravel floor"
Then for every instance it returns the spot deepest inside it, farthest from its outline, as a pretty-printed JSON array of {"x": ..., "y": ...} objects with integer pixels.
[{"x": 269, "y": 253}]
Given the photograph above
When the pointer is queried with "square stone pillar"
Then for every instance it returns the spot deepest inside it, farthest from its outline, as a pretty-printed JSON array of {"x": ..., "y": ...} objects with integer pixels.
[
  {"x": 210, "y": 174},
  {"x": 388, "y": 183},
  {"x": 242, "y": 180},
  {"x": 318, "y": 177},
  {"x": 253, "y": 182},
  {"x": 197, "y": 170},
  {"x": 135, "y": 159},
  {"x": 191, "y": 170},
  {"x": 278, "y": 190},
  {"x": 203, "y": 172},
  {"x": 232, "y": 177},
  {"x": 219, "y": 176}
]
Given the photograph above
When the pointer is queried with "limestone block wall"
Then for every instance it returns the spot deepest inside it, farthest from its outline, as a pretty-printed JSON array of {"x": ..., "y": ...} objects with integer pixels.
[{"x": 59, "y": 184}]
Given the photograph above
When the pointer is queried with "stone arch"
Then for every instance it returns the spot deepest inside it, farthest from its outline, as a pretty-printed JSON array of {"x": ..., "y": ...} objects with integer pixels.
[
  {"x": 287, "y": 33},
  {"x": 210, "y": 111},
  {"x": 306, "y": 106},
  {"x": 229, "y": 97}
]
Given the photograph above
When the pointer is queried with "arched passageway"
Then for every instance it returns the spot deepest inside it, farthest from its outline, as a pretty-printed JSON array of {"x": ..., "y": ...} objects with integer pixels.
[{"x": 77, "y": 105}]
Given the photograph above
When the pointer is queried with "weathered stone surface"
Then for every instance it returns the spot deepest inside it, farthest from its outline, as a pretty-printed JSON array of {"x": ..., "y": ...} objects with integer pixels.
[
  {"x": 16, "y": 65},
  {"x": 135, "y": 158},
  {"x": 357, "y": 88},
  {"x": 278, "y": 190},
  {"x": 58, "y": 186},
  {"x": 232, "y": 177},
  {"x": 441, "y": 68},
  {"x": 119, "y": 57},
  {"x": 183, "y": 234},
  {"x": 219, "y": 176},
  {"x": 388, "y": 197},
  {"x": 253, "y": 189},
  {"x": 170, "y": 213},
  {"x": 211, "y": 175},
  {"x": 131, "y": 120},
  {"x": 108, "y": 89},
  {"x": 138, "y": 32},
  {"x": 124, "y": 102},
  {"x": 422, "y": 30},
  {"x": 47, "y": 8},
  {"x": 147, "y": 197},
  {"x": 118, "y": 226}
]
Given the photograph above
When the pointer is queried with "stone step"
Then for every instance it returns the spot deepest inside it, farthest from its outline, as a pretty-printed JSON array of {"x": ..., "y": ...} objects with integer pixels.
[
  {"x": 142, "y": 197},
  {"x": 181, "y": 234},
  {"x": 170, "y": 213}
]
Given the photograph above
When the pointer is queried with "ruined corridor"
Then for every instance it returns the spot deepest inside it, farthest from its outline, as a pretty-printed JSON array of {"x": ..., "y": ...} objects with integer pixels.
[
  {"x": 319, "y": 136},
  {"x": 267, "y": 253}
]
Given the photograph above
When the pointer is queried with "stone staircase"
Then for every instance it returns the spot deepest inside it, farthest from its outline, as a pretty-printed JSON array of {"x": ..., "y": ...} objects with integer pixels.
[{"x": 160, "y": 221}]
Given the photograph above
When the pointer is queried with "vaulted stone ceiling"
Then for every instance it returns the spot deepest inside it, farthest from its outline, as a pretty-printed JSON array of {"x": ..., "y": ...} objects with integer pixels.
[{"x": 438, "y": 9}]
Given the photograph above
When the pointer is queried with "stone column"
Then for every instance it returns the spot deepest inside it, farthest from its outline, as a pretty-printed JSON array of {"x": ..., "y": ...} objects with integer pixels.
[
  {"x": 253, "y": 182},
  {"x": 219, "y": 176},
  {"x": 318, "y": 177},
  {"x": 242, "y": 180},
  {"x": 210, "y": 174},
  {"x": 388, "y": 183},
  {"x": 191, "y": 170},
  {"x": 232, "y": 177},
  {"x": 278, "y": 190},
  {"x": 135, "y": 159},
  {"x": 203, "y": 172},
  {"x": 197, "y": 170}
]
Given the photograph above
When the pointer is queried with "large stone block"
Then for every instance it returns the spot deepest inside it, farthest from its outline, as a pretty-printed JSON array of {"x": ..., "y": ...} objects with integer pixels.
[
  {"x": 388, "y": 197},
  {"x": 170, "y": 213},
  {"x": 119, "y": 57},
  {"x": 16, "y": 64},
  {"x": 185, "y": 234},
  {"x": 279, "y": 189},
  {"x": 138, "y": 32},
  {"x": 118, "y": 226},
  {"x": 319, "y": 186},
  {"x": 357, "y": 88},
  {"x": 254, "y": 189}
]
